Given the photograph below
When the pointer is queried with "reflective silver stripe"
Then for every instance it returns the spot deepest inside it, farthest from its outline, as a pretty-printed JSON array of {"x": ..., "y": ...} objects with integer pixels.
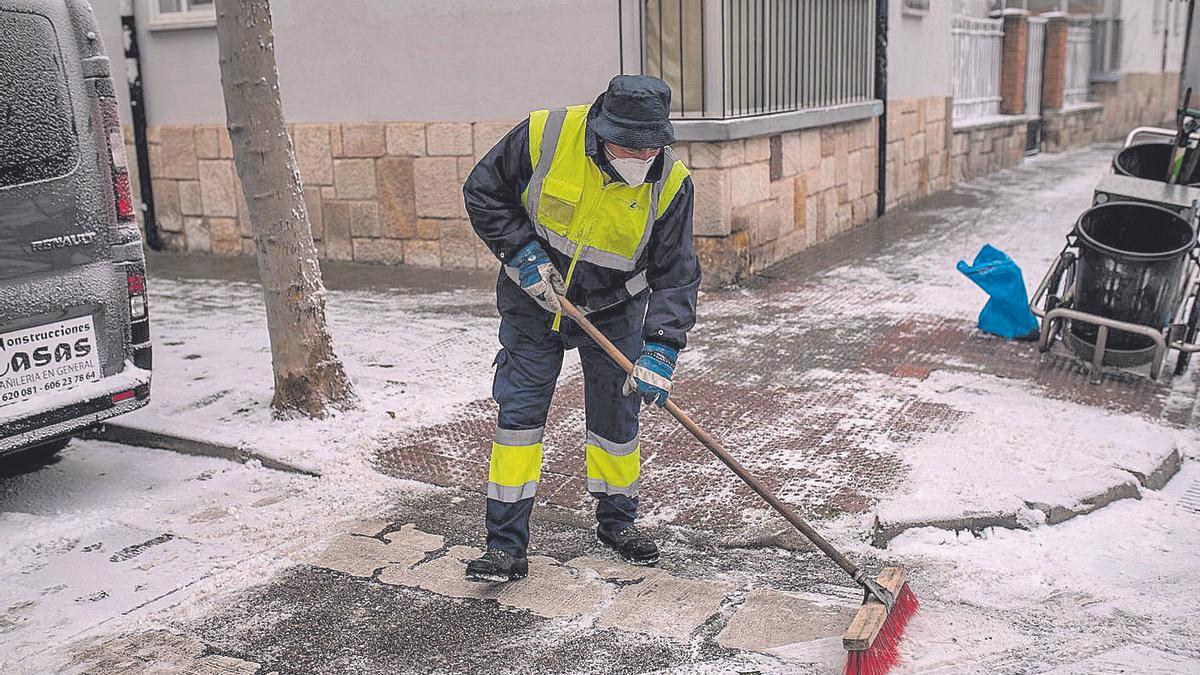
[
  {"x": 509, "y": 494},
  {"x": 566, "y": 247},
  {"x": 637, "y": 284},
  {"x": 613, "y": 448},
  {"x": 560, "y": 242},
  {"x": 611, "y": 260},
  {"x": 597, "y": 485},
  {"x": 554, "y": 125},
  {"x": 519, "y": 436},
  {"x": 513, "y": 274}
]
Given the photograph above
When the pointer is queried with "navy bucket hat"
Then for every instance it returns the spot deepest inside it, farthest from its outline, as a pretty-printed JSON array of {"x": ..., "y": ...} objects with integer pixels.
[{"x": 634, "y": 112}]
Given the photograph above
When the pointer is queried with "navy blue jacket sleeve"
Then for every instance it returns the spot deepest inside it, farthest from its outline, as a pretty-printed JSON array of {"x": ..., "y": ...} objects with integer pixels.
[
  {"x": 493, "y": 194},
  {"x": 673, "y": 273}
]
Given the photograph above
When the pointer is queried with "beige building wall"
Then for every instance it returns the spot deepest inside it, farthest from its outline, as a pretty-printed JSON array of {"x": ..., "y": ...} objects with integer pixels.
[{"x": 376, "y": 61}]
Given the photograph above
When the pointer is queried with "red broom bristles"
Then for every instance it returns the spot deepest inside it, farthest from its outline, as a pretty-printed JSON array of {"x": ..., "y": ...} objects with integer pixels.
[{"x": 884, "y": 652}]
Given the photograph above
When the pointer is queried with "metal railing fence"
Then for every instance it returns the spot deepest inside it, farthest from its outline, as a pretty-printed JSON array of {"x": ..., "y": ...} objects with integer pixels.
[
  {"x": 743, "y": 58},
  {"x": 1106, "y": 46},
  {"x": 1034, "y": 62},
  {"x": 1077, "y": 73},
  {"x": 672, "y": 48},
  {"x": 978, "y": 49}
]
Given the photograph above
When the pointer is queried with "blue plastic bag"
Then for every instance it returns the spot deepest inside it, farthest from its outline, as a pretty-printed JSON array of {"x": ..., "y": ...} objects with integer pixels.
[{"x": 1007, "y": 312}]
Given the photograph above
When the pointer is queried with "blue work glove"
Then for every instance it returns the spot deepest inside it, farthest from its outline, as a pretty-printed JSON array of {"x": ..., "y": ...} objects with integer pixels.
[
  {"x": 538, "y": 276},
  {"x": 652, "y": 372}
]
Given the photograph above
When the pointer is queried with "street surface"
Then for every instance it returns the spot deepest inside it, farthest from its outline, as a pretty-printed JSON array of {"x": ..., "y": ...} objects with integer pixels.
[{"x": 1046, "y": 523}]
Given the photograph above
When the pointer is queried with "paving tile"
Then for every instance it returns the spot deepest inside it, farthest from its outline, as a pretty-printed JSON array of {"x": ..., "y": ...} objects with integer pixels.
[
  {"x": 769, "y": 619},
  {"x": 355, "y": 555},
  {"x": 555, "y": 590},
  {"x": 664, "y": 605}
]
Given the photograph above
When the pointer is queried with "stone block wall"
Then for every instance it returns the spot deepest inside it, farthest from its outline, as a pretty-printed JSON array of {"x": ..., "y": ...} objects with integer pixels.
[
  {"x": 918, "y": 152},
  {"x": 1071, "y": 128},
  {"x": 763, "y": 199},
  {"x": 391, "y": 193},
  {"x": 980, "y": 149},
  {"x": 1137, "y": 99},
  {"x": 375, "y": 192}
]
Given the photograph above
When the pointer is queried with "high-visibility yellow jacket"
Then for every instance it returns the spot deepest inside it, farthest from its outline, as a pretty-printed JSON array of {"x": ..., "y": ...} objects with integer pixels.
[{"x": 624, "y": 251}]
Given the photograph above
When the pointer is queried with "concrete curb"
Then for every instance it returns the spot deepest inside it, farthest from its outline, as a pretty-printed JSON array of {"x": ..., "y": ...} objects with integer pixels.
[
  {"x": 188, "y": 445},
  {"x": 1055, "y": 513}
]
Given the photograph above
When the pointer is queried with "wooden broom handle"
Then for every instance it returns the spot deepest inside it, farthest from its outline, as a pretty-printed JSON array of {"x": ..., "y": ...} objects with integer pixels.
[{"x": 714, "y": 446}]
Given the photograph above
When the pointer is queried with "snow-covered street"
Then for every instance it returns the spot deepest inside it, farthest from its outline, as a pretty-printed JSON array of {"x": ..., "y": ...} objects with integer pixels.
[{"x": 1048, "y": 525}]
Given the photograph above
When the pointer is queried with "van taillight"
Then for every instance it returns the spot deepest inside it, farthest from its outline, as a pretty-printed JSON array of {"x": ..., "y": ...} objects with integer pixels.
[
  {"x": 118, "y": 161},
  {"x": 137, "y": 295}
]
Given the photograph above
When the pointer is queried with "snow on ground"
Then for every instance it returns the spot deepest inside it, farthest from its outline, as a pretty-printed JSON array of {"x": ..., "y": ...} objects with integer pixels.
[
  {"x": 87, "y": 538},
  {"x": 1018, "y": 448},
  {"x": 1116, "y": 577},
  {"x": 412, "y": 358},
  {"x": 110, "y": 535}
]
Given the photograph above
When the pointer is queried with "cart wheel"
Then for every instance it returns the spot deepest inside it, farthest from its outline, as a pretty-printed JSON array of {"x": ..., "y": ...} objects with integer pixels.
[
  {"x": 1193, "y": 329},
  {"x": 1069, "y": 277},
  {"x": 1053, "y": 299}
]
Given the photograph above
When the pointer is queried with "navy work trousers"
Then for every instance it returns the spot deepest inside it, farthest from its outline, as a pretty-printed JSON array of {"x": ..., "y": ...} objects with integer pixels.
[{"x": 527, "y": 370}]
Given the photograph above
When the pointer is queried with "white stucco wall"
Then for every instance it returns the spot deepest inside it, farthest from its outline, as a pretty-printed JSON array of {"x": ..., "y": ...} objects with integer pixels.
[
  {"x": 919, "y": 51},
  {"x": 1142, "y": 46},
  {"x": 364, "y": 60}
]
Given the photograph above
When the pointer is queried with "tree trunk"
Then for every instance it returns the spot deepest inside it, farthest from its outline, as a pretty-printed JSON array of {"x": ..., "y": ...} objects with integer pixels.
[{"x": 308, "y": 376}]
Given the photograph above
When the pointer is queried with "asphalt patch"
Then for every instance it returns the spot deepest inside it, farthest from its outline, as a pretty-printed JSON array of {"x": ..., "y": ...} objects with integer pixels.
[{"x": 313, "y": 620}]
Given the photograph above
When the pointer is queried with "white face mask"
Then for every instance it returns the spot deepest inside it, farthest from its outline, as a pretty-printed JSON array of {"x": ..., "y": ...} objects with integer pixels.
[{"x": 631, "y": 169}]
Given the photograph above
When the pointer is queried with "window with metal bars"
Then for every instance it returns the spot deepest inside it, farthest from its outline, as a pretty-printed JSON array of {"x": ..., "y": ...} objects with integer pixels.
[{"x": 744, "y": 58}]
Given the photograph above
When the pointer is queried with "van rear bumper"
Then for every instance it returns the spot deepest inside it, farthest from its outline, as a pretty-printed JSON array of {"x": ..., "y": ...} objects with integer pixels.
[{"x": 52, "y": 423}]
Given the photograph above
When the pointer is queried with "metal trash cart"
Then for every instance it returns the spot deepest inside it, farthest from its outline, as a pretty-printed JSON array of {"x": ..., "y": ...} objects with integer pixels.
[
  {"x": 1123, "y": 291},
  {"x": 1150, "y": 159}
]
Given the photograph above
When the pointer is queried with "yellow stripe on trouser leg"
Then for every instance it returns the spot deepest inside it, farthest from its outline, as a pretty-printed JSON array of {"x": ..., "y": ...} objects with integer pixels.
[
  {"x": 514, "y": 471},
  {"x": 613, "y": 474}
]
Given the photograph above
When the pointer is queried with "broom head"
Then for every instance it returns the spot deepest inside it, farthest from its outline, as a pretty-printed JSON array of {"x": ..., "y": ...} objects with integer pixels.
[{"x": 872, "y": 641}]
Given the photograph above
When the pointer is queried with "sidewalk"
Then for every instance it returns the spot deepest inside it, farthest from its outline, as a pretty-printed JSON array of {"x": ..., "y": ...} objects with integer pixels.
[{"x": 851, "y": 379}]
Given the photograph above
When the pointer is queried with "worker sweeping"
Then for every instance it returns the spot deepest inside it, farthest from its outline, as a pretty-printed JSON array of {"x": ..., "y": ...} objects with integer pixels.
[{"x": 589, "y": 202}]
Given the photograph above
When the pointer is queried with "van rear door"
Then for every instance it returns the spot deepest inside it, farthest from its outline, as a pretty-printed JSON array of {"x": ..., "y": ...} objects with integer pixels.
[{"x": 59, "y": 282}]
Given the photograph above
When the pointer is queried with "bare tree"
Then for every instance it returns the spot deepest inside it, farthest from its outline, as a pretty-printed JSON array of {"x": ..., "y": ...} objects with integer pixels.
[{"x": 309, "y": 378}]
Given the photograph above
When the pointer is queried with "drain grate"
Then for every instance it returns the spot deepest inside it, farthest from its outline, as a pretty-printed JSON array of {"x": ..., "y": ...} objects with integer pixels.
[{"x": 1190, "y": 499}]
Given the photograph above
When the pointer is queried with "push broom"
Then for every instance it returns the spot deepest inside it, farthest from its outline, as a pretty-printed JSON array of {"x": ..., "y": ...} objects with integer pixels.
[{"x": 872, "y": 641}]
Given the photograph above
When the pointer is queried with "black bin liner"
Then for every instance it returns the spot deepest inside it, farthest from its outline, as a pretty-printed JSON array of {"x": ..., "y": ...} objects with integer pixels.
[
  {"x": 1131, "y": 262},
  {"x": 1150, "y": 161}
]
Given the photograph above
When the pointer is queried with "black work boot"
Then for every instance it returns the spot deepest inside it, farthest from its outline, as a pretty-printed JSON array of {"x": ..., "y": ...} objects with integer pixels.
[
  {"x": 496, "y": 565},
  {"x": 634, "y": 547}
]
